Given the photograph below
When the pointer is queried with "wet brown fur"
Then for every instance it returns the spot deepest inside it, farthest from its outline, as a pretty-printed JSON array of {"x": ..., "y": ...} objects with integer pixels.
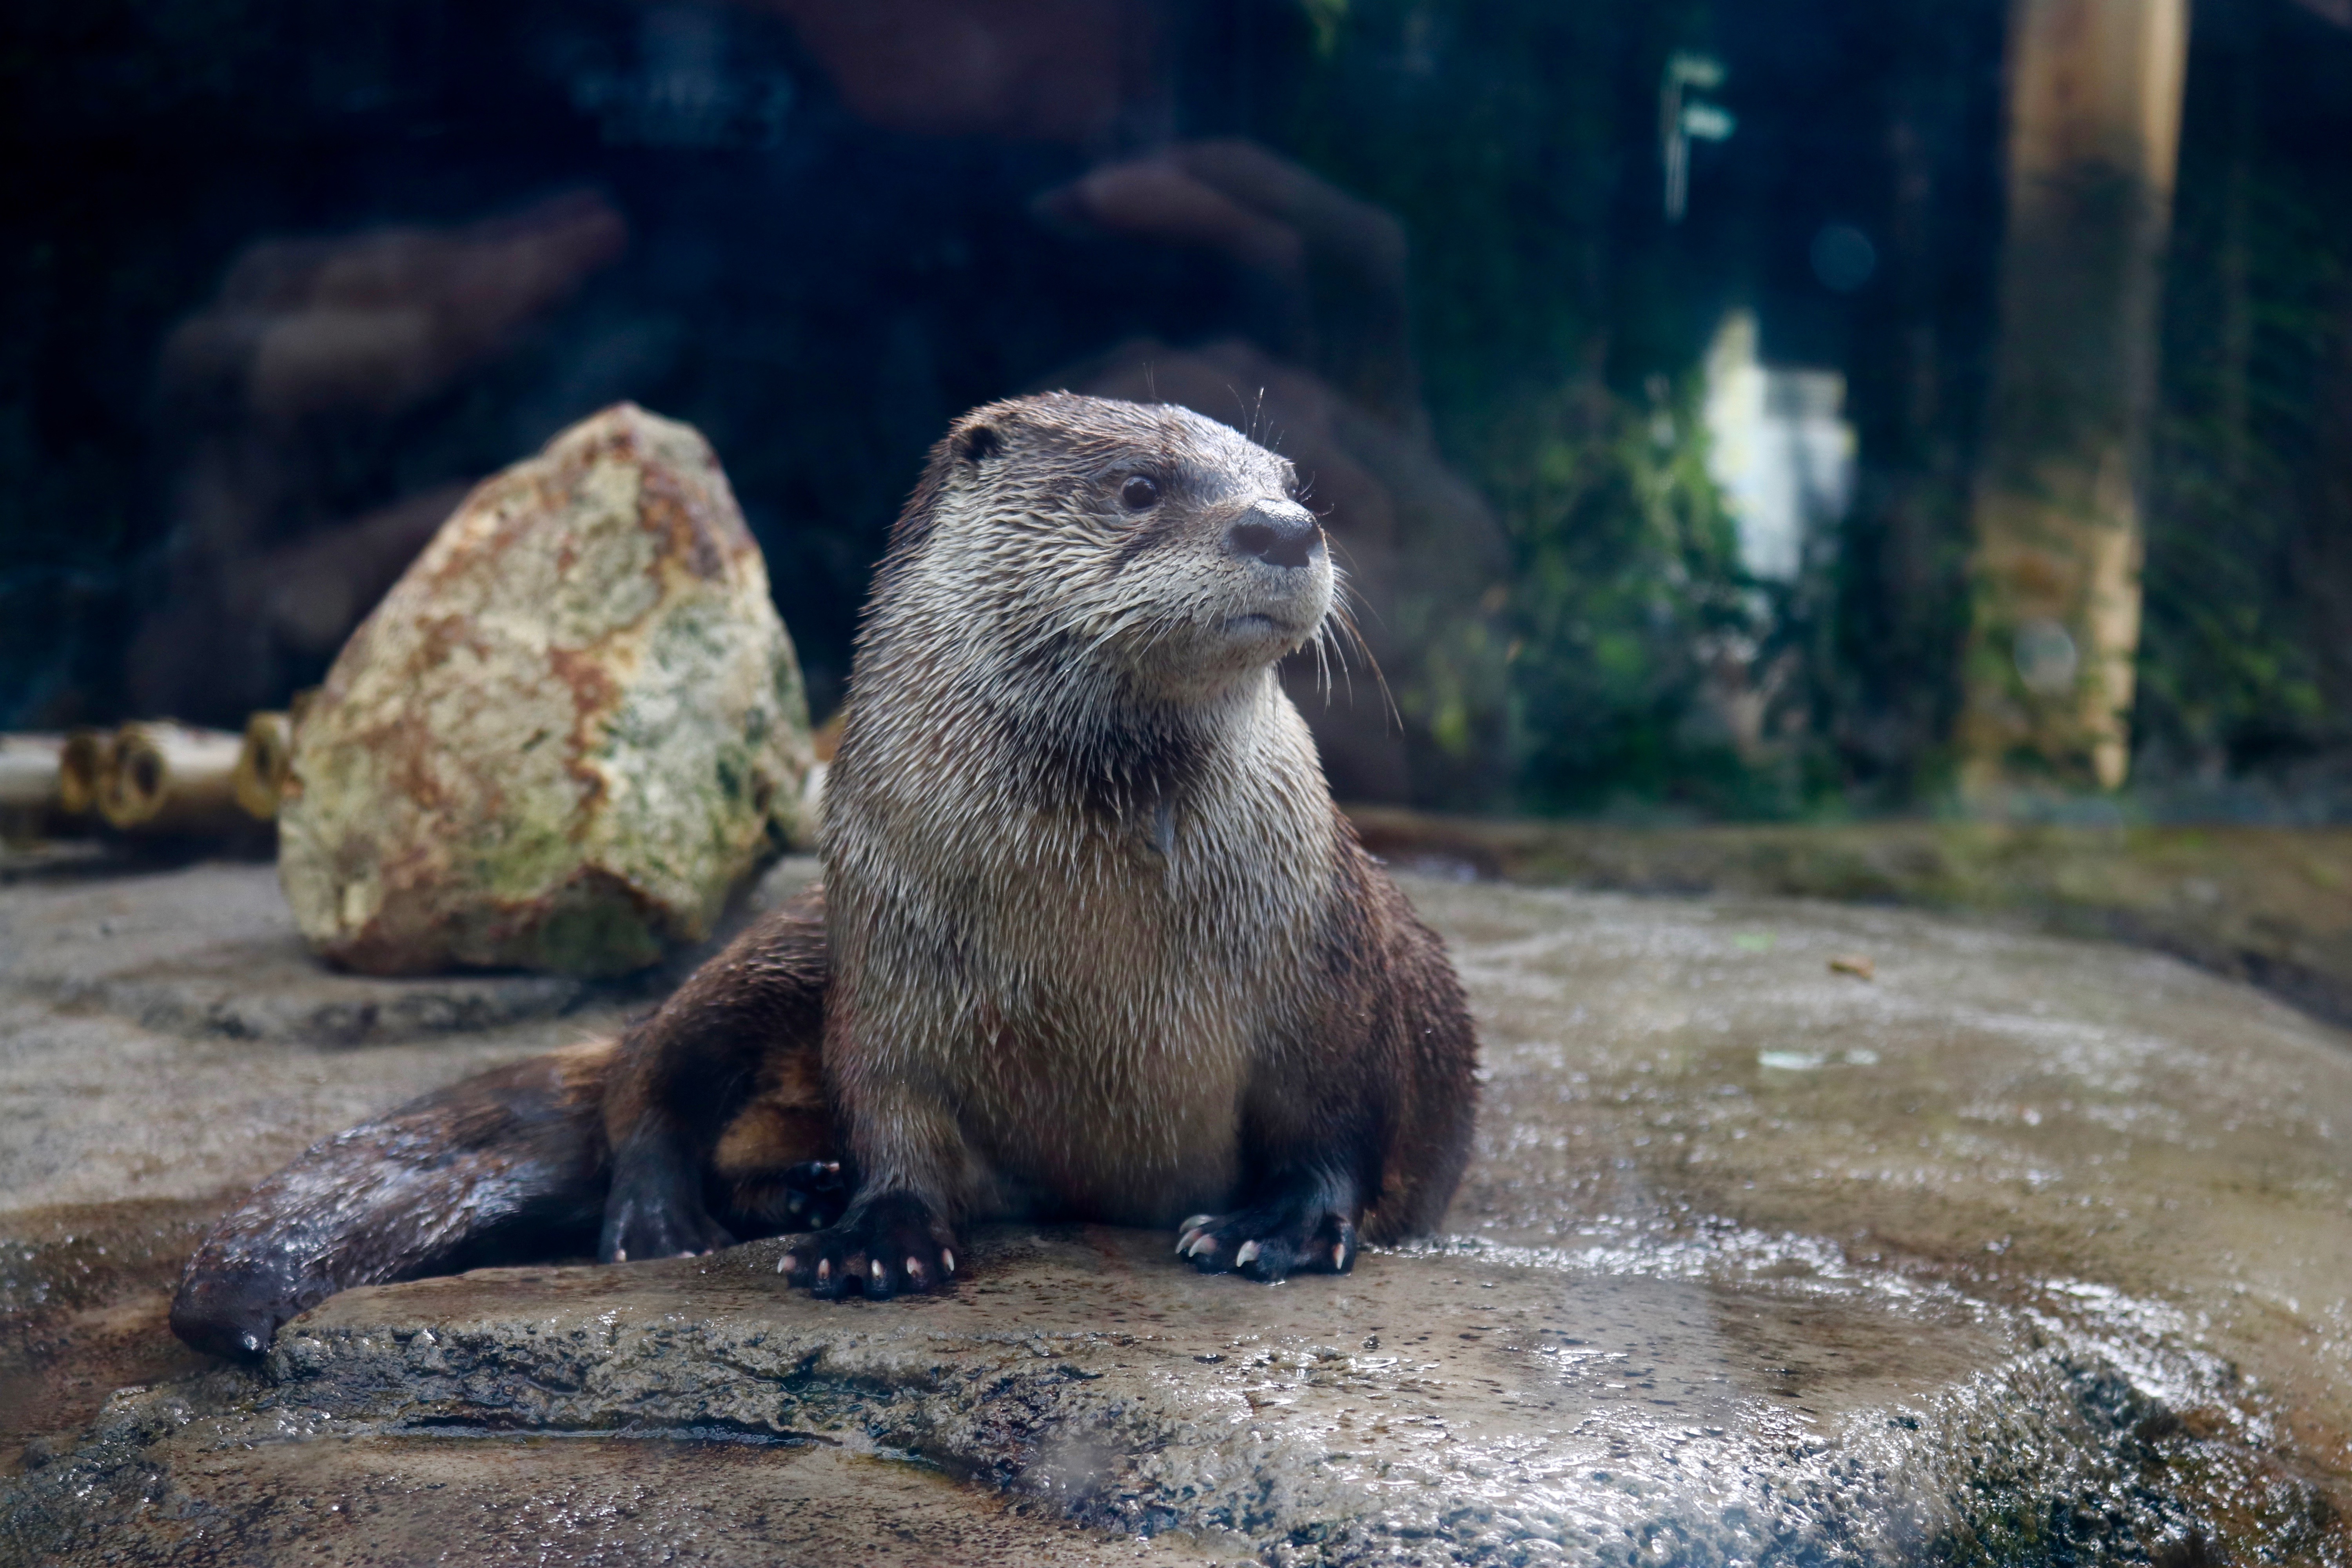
[
  {"x": 718, "y": 1098},
  {"x": 1094, "y": 942},
  {"x": 509, "y": 1161},
  {"x": 1102, "y": 947}
]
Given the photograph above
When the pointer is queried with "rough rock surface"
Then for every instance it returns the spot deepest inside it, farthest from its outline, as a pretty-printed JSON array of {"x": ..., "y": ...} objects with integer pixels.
[
  {"x": 2027, "y": 1250},
  {"x": 2269, "y": 905},
  {"x": 565, "y": 736}
]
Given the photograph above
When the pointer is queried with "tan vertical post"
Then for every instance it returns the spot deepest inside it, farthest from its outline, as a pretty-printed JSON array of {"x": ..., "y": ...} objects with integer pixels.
[{"x": 2093, "y": 132}]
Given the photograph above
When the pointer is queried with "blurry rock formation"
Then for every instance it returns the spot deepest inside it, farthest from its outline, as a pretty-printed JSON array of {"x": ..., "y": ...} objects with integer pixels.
[
  {"x": 1042, "y": 70},
  {"x": 307, "y": 342},
  {"x": 311, "y": 346},
  {"x": 569, "y": 732}
]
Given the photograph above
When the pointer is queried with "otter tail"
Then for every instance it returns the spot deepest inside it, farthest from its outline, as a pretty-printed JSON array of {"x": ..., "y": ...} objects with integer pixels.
[{"x": 507, "y": 1164}]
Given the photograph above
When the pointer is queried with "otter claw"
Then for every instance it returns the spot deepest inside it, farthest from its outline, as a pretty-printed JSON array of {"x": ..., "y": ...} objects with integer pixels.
[
  {"x": 889, "y": 1247},
  {"x": 946, "y": 1259},
  {"x": 1272, "y": 1240},
  {"x": 785, "y": 1264}
]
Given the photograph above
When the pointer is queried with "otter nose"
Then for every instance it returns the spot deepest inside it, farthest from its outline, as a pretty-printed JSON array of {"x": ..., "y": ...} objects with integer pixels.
[{"x": 1284, "y": 537}]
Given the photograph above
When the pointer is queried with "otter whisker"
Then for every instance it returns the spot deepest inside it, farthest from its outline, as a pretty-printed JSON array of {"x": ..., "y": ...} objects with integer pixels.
[{"x": 1347, "y": 620}]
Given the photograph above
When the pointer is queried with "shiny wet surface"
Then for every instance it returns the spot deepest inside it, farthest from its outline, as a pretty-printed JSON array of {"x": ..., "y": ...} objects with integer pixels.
[
  {"x": 2021, "y": 1250},
  {"x": 2028, "y": 1119}
]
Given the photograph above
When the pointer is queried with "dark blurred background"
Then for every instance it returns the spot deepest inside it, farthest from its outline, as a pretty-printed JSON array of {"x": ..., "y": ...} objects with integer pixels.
[{"x": 1699, "y": 393}]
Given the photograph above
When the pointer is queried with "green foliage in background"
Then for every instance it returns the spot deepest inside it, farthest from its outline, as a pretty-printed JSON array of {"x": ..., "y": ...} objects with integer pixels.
[
  {"x": 1634, "y": 623},
  {"x": 1559, "y": 329},
  {"x": 1551, "y": 301},
  {"x": 2248, "y": 573}
]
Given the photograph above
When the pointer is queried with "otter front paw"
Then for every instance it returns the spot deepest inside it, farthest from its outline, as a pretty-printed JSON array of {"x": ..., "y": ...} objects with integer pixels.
[
  {"x": 1270, "y": 1241},
  {"x": 892, "y": 1243}
]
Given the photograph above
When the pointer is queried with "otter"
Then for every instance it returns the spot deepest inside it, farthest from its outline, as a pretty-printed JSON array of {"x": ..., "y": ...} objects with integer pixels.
[{"x": 1092, "y": 942}]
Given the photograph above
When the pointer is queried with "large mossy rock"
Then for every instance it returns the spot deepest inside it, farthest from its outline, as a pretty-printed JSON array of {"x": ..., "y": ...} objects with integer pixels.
[{"x": 568, "y": 732}]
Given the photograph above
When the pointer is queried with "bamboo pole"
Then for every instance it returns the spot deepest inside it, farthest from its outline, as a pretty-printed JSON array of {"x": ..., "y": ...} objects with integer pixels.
[
  {"x": 260, "y": 777},
  {"x": 28, "y": 772},
  {"x": 172, "y": 778},
  {"x": 82, "y": 764},
  {"x": 2094, "y": 135}
]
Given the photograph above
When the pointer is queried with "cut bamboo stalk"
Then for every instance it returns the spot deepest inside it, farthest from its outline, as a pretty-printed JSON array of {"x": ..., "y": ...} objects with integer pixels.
[
  {"x": 172, "y": 778},
  {"x": 260, "y": 777},
  {"x": 28, "y": 772},
  {"x": 2094, "y": 137},
  {"x": 82, "y": 764}
]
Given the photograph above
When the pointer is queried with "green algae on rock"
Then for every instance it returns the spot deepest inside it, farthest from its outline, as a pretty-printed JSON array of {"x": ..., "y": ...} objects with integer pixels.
[{"x": 570, "y": 730}]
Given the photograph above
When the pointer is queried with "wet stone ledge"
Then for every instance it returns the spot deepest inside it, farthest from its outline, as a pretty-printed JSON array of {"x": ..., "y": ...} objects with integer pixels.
[
  {"x": 211, "y": 950},
  {"x": 2023, "y": 1250},
  {"x": 2272, "y": 906}
]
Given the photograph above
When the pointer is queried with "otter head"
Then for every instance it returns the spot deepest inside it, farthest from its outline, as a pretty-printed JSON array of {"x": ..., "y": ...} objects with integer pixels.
[{"x": 1089, "y": 541}]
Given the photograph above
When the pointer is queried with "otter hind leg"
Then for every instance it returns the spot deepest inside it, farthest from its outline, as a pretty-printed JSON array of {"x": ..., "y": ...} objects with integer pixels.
[
  {"x": 655, "y": 1206},
  {"x": 773, "y": 1172},
  {"x": 810, "y": 1195},
  {"x": 504, "y": 1166},
  {"x": 717, "y": 1102},
  {"x": 775, "y": 1169}
]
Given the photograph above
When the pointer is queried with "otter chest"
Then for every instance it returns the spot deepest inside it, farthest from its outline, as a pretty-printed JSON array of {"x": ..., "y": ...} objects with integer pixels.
[{"x": 1124, "y": 996}]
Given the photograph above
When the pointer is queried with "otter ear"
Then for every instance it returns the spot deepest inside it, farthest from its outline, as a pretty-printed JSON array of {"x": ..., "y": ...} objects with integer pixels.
[{"x": 979, "y": 444}]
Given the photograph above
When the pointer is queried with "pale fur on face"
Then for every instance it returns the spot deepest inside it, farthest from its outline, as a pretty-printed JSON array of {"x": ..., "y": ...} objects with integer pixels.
[
  {"x": 1079, "y": 850},
  {"x": 1034, "y": 558}
]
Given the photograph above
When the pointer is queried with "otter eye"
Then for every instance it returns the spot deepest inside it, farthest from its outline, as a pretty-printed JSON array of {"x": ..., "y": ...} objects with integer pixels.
[{"x": 1139, "y": 493}]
